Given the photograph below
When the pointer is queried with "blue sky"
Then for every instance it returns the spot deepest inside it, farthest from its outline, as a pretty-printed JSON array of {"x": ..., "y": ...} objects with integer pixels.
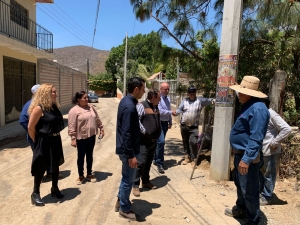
[{"x": 115, "y": 18}]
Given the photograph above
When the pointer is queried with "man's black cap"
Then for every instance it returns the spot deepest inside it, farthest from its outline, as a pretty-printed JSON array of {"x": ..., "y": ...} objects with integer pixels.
[{"x": 192, "y": 89}]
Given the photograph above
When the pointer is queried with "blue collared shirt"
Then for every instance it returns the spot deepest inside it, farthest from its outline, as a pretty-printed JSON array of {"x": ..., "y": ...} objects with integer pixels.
[
  {"x": 250, "y": 128},
  {"x": 24, "y": 118},
  {"x": 164, "y": 107},
  {"x": 128, "y": 129}
]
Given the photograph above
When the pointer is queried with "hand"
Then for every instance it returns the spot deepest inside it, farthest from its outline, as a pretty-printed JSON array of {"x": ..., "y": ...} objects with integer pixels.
[
  {"x": 213, "y": 101},
  {"x": 102, "y": 132},
  {"x": 273, "y": 147},
  {"x": 243, "y": 168},
  {"x": 174, "y": 113},
  {"x": 73, "y": 143},
  {"x": 133, "y": 163},
  {"x": 170, "y": 126}
]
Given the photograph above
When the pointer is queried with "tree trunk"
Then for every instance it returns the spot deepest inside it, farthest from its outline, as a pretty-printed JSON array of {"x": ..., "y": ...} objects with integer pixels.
[{"x": 276, "y": 91}]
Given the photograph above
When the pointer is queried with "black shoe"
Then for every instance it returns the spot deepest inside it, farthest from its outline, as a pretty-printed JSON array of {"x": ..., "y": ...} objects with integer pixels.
[
  {"x": 36, "y": 199},
  {"x": 154, "y": 163},
  {"x": 160, "y": 169},
  {"x": 55, "y": 192}
]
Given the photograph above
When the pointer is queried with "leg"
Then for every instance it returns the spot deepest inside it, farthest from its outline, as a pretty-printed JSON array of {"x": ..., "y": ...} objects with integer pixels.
[
  {"x": 240, "y": 202},
  {"x": 81, "y": 149},
  {"x": 193, "y": 143},
  {"x": 270, "y": 176},
  {"x": 249, "y": 191},
  {"x": 151, "y": 150},
  {"x": 185, "y": 138},
  {"x": 128, "y": 177},
  {"x": 38, "y": 177},
  {"x": 159, "y": 154},
  {"x": 90, "y": 144},
  {"x": 142, "y": 161}
]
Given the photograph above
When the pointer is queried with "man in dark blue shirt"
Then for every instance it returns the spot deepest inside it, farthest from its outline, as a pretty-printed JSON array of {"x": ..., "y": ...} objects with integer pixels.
[
  {"x": 24, "y": 116},
  {"x": 128, "y": 144},
  {"x": 246, "y": 139}
]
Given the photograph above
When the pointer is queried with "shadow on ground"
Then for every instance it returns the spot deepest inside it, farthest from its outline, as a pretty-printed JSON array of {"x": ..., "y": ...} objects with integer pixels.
[
  {"x": 159, "y": 182},
  {"x": 278, "y": 201},
  {"x": 263, "y": 219},
  {"x": 101, "y": 176},
  {"x": 70, "y": 193},
  {"x": 14, "y": 142},
  {"x": 64, "y": 173},
  {"x": 143, "y": 208},
  {"x": 174, "y": 147}
]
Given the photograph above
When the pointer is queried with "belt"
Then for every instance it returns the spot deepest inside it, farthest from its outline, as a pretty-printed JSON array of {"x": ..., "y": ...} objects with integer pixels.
[
  {"x": 54, "y": 134},
  {"x": 239, "y": 152},
  {"x": 164, "y": 121},
  {"x": 191, "y": 127}
]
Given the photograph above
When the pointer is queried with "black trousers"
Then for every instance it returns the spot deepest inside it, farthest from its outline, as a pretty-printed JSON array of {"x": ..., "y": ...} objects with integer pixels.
[
  {"x": 189, "y": 139},
  {"x": 147, "y": 150},
  {"x": 85, "y": 147}
]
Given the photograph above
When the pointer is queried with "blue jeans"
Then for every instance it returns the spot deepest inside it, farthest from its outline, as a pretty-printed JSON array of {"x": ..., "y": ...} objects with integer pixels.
[
  {"x": 160, "y": 148},
  {"x": 128, "y": 177},
  {"x": 269, "y": 169},
  {"x": 248, "y": 190}
]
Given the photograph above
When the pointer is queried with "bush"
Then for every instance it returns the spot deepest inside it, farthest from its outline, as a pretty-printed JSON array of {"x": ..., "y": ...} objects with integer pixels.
[{"x": 291, "y": 116}]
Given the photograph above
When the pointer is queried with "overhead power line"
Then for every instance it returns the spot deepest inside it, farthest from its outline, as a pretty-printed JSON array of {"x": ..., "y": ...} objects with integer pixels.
[{"x": 97, "y": 12}]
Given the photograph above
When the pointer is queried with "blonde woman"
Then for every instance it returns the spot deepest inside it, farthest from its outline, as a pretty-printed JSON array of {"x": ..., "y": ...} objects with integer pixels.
[{"x": 45, "y": 124}]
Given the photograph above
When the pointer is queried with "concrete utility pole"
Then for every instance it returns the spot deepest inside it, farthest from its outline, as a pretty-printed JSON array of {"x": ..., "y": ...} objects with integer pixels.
[
  {"x": 225, "y": 97},
  {"x": 87, "y": 74},
  {"x": 125, "y": 68}
]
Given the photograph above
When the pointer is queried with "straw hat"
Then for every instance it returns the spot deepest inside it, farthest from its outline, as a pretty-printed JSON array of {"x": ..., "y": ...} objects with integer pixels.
[{"x": 249, "y": 86}]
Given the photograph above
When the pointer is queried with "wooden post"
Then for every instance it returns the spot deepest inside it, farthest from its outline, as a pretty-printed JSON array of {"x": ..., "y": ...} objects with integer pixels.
[
  {"x": 225, "y": 97},
  {"x": 276, "y": 91}
]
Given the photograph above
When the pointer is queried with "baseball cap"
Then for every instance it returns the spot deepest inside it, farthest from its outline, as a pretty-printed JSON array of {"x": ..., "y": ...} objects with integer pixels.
[
  {"x": 34, "y": 88},
  {"x": 192, "y": 89}
]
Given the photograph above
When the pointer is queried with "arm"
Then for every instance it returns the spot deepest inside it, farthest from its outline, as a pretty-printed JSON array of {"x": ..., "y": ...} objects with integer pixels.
[
  {"x": 127, "y": 132},
  {"x": 72, "y": 126},
  {"x": 180, "y": 108},
  {"x": 162, "y": 110},
  {"x": 258, "y": 124},
  {"x": 141, "y": 112},
  {"x": 99, "y": 122},
  {"x": 206, "y": 101},
  {"x": 24, "y": 117},
  {"x": 33, "y": 120},
  {"x": 283, "y": 128}
]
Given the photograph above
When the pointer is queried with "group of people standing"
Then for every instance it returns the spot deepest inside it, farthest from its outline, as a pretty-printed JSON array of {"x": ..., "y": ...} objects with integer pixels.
[
  {"x": 140, "y": 139},
  {"x": 43, "y": 121}
]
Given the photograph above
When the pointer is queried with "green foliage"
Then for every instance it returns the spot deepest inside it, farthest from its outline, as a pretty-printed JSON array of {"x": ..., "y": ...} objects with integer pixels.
[
  {"x": 102, "y": 81},
  {"x": 291, "y": 115}
]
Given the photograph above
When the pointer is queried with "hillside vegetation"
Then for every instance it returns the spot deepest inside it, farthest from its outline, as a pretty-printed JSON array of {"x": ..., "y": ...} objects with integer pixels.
[{"x": 75, "y": 57}]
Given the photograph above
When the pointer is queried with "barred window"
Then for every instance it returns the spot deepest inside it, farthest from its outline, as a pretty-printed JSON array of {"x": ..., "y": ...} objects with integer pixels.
[{"x": 18, "y": 14}]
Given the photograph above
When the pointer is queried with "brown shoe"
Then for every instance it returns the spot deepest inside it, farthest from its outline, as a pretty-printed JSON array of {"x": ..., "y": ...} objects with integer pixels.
[
  {"x": 80, "y": 180},
  {"x": 186, "y": 160},
  {"x": 91, "y": 178},
  {"x": 117, "y": 206},
  {"x": 136, "y": 192},
  {"x": 130, "y": 215},
  {"x": 149, "y": 186}
]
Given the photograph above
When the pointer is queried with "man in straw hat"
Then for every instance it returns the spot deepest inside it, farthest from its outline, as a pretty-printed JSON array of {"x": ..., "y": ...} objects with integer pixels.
[{"x": 246, "y": 139}]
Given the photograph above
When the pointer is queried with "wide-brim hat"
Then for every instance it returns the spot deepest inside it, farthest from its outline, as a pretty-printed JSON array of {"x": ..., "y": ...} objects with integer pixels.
[{"x": 249, "y": 86}]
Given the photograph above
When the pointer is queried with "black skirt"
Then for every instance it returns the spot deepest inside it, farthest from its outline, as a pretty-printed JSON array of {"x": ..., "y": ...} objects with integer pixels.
[{"x": 47, "y": 152}]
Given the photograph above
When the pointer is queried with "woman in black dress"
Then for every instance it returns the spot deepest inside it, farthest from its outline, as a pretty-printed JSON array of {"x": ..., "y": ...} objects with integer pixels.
[{"x": 45, "y": 124}]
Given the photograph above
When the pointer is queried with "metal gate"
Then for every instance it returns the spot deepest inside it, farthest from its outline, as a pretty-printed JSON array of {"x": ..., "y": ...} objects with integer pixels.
[{"x": 19, "y": 77}]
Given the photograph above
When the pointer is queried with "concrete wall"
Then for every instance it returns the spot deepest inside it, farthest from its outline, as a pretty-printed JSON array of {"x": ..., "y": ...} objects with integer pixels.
[{"x": 66, "y": 80}]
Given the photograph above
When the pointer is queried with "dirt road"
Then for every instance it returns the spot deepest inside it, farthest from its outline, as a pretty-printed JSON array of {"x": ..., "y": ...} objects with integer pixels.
[{"x": 177, "y": 200}]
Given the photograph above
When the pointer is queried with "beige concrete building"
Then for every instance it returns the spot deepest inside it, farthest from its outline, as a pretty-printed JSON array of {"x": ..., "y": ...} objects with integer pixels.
[{"x": 22, "y": 43}]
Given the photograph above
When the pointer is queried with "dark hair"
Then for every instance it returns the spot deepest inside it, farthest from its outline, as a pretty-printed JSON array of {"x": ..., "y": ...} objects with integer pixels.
[
  {"x": 77, "y": 95},
  {"x": 152, "y": 92},
  {"x": 266, "y": 101},
  {"x": 133, "y": 83}
]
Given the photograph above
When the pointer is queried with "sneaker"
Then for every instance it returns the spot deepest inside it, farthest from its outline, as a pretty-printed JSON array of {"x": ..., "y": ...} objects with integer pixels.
[
  {"x": 149, "y": 186},
  {"x": 263, "y": 201},
  {"x": 91, "y": 178},
  {"x": 154, "y": 163},
  {"x": 80, "y": 180},
  {"x": 235, "y": 212},
  {"x": 130, "y": 215},
  {"x": 136, "y": 192},
  {"x": 117, "y": 206}
]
